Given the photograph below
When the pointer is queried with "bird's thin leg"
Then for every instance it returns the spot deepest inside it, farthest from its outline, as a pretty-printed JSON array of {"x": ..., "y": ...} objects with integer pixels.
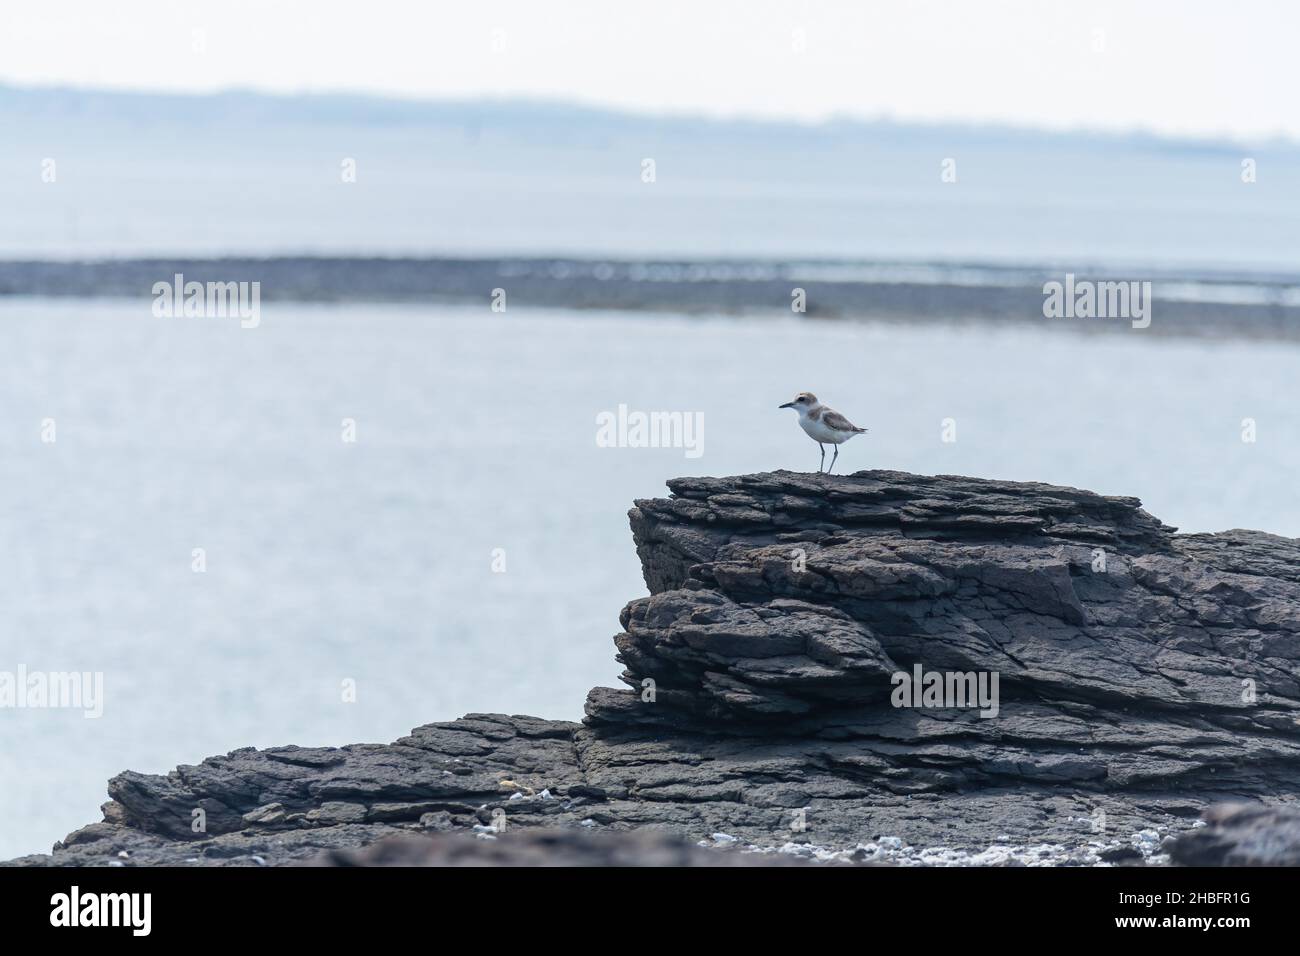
[
  {"x": 823, "y": 464},
  {"x": 836, "y": 456}
]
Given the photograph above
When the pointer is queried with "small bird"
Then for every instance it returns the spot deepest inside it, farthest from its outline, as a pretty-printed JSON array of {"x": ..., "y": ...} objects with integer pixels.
[{"x": 823, "y": 425}]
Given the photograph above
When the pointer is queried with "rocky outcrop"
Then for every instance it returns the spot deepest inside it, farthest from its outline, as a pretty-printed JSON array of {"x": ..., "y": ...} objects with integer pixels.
[
  {"x": 1101, "y": 680},
  {"x": 795, "y": 598}
]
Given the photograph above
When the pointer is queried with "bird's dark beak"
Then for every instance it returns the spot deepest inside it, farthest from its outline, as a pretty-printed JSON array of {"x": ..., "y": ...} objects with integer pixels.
[{"x": 786, "y": 405}]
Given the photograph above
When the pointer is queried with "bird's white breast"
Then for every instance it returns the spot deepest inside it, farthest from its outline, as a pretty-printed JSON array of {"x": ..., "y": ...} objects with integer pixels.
[{"x": 818, "y": 431}]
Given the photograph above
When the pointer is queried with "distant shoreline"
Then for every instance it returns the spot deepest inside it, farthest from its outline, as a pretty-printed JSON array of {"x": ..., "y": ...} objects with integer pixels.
[{"x": 1206, "y": 303}]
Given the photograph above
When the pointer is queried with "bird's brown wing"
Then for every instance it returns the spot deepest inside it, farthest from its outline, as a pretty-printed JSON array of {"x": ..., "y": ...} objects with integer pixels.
[{"x": 839, "y": 422}]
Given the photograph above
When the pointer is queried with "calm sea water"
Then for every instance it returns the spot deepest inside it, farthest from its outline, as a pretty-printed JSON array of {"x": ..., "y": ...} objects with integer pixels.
[
  {"x": 372, "y": 561},
  {"x": 167, "y": 178}
]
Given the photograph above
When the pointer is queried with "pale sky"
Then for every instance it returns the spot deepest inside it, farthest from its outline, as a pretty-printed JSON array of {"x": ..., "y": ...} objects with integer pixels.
[{"x": 1177, "y": 67}]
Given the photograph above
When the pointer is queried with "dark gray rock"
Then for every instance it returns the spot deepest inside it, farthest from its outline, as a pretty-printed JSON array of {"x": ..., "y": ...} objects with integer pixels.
[
  {"x": 1195, "y": 633},
  {"x": 1238, "y": 834},
  {"x": 1141, "y": 676}
]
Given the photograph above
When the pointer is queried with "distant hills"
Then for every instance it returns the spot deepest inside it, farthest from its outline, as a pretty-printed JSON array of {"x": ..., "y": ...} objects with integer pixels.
[{"x": 541, "y": 117}]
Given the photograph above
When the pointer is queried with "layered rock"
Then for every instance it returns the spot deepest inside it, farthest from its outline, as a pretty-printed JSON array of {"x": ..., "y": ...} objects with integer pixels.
[
  {"x": 1140, "y": 676},
  {"x": 795, "y": 597}
]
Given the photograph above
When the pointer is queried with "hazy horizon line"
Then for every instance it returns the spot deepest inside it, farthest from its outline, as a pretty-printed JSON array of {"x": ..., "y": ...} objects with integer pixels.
[{"x": 597, "y": 110}]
